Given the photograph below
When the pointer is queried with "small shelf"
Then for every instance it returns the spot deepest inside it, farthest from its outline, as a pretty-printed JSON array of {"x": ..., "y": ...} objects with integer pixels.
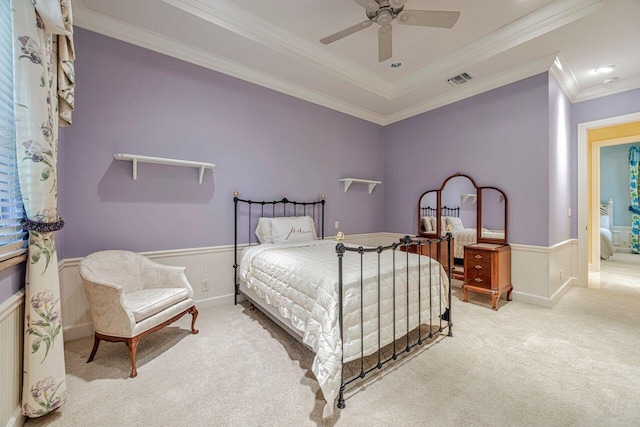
[
  {"x": 349, "y": 181},
  {"x": 465, "y": 197},
  {"x": 162, "y": 161}
]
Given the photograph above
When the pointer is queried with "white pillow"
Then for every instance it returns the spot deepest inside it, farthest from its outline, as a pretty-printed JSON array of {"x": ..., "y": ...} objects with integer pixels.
[
  {"x": 427, "y": 225},
  {"x": 604, "y": 221},
  {"x": 293, "y": 229},
  {"x": 263, "y": 230},
  {"x": 455, "y": 223},
  {"x": 443, "y": 225},
  {"x": 264, "y": 227},
  {"x": 434, "y": 223}
]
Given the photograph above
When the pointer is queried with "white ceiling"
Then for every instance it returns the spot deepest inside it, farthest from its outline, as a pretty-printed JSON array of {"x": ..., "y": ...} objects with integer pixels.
[{"x": 275, "y": 44}]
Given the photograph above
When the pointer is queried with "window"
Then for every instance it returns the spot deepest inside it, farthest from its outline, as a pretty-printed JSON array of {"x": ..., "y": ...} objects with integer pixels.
[{"x": 12, "y": 235}]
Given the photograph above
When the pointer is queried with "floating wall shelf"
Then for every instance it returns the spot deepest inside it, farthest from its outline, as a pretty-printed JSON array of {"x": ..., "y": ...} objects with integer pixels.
[
  {"x": 161, "y": 161},
  {"x": 465, "y": 197},
  {"x": 349, "y": 181}
]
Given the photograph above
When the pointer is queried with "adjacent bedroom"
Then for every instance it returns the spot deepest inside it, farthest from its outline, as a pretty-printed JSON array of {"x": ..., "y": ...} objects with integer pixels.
[
  {"x": 329, "y": 213},
  {"x": 618, "y": 216}
]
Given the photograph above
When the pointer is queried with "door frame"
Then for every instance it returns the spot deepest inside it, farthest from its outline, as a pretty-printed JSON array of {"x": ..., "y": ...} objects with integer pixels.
[{"x": 583, "y": 189}]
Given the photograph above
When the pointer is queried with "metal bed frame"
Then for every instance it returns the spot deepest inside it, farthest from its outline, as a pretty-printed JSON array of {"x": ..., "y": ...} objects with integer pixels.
[
  {"x": 444, "y": 319},
  {"x": 445, "y": 211}
]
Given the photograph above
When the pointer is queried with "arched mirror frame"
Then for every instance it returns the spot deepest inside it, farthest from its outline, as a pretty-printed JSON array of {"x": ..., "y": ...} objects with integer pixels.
[{"x": 479, "y": 237}]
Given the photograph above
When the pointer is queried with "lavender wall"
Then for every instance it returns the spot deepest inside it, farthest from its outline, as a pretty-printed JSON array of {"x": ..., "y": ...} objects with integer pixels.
[
  {"x": 11, "y": 281},
  {"x": 596, "y": 109},
  {"x": 265, "y": 145},
  {"x": 499, "y": 138},
  {"x": 559, "y": 164}
]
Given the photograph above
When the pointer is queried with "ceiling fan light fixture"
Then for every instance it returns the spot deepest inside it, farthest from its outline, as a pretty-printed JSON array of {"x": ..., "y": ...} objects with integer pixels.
[{"x": 605, "y": 69}]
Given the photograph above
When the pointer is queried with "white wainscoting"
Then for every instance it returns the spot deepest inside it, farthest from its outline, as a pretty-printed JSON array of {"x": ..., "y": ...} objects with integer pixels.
[
  {"x": 622, "y": 238},
  {"x": 11, "y": 333},
  {"x": 540, "y": 276}
]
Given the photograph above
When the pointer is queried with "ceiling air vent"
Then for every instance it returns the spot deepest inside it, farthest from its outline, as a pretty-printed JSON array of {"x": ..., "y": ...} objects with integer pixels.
[{"x": 460, "y": 79}]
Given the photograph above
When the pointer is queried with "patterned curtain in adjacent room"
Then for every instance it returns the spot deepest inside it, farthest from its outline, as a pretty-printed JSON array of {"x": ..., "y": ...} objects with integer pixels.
[
  {"x": 43, "y": 99},
  {"x": 634, "y": 157}
]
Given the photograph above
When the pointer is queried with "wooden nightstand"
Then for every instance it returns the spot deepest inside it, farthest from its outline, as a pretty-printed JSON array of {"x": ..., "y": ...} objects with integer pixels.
[{"x": 487, "y": 269}]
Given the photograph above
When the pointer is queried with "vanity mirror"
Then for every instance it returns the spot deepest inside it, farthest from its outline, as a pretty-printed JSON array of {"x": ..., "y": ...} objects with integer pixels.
[{"x": 492, "y": 215}]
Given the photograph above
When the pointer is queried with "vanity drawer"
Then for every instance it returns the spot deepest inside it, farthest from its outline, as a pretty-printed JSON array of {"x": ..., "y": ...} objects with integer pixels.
[{"x": 476, "y": 257}]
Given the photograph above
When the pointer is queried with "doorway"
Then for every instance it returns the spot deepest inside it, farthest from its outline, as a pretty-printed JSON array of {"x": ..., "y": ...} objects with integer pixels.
[{"x": 592, "y": 136}]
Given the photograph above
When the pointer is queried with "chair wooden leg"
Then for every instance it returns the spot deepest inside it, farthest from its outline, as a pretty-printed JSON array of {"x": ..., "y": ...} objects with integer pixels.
[
  {"x": 132, "y": 344},
  {"x": 96, "y": 343},
  {"x": 194, "y": 312}
]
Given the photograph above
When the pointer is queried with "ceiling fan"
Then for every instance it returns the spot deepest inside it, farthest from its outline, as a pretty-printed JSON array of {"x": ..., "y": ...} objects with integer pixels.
[{"x": 382, "y": 12}]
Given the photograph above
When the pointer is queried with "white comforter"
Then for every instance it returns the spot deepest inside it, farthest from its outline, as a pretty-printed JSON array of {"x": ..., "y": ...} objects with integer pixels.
[
  {"x": 462, "y": 238},
  {"x": 467, "y": 236},
  {"x": 301, "y": 280}
]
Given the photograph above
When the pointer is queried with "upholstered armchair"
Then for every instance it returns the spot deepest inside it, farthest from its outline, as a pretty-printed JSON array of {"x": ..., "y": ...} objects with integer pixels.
[{"x": 131, "y": 296}]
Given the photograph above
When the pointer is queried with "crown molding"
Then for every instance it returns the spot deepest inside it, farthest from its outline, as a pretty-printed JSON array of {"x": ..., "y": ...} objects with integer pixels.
[
  {"x": 610, "y": 89},
  {"x": 535, "y": 24},
  {"x": 244, "y": 23},
  {"x": 567, "y": 81},
  {"x": 476, "y": 87},
  {"x": 111, "y": 27}
]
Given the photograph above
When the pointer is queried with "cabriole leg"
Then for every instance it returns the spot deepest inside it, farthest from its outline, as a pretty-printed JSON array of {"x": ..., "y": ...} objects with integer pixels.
[
  {"x": 96, "y": 343},
  {"x": 194, "y": 313},
  {"x": 132, "y": 344}
]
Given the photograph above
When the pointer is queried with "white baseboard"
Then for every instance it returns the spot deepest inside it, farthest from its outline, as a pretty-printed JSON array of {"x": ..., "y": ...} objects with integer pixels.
[
  {"x": 544, "y": 301},
  {"x": 17, "y": 419}
]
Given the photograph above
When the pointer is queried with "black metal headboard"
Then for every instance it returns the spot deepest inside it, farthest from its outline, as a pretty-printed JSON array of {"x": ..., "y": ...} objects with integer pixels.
[
  {"x": 445, "y": 211},
  {"x": 256, "y": 210}
]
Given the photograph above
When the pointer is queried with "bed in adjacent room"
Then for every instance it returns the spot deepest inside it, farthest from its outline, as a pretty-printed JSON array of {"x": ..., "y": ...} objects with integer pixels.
[
  {"x": 314, "y": 288},
  {"x": 606, "y": 227}
]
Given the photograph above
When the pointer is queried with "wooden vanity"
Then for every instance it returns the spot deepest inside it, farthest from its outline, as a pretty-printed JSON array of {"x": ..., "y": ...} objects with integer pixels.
[{"x": 477, "y": 218}]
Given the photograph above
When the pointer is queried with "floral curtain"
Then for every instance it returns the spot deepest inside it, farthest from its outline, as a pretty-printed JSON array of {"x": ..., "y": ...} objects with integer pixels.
[
  {"x": 634, "y": 157},
  {"x": 43, "y": 58}
]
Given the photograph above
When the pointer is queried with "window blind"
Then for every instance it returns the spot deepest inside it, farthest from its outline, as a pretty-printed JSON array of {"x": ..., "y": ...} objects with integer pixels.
[{"x": 12, "y": 235}]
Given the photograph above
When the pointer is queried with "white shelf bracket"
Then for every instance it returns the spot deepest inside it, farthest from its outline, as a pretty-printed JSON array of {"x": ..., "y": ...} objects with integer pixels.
[
  {"x": 135, "y": 169},
  {"x": 347, "y": 184},
  {"x": 371, "y": 187},
  {"x": 202, "y": 169}
]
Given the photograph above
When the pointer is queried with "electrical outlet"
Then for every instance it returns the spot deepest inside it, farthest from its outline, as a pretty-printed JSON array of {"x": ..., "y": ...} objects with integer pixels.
[
  {"x": 204, "y": 285},
  {"x": 337, "y": 225}
]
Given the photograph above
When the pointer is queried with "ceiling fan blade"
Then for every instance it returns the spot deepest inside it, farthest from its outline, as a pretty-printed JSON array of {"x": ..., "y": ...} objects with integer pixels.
[
  {"x": 385, "y": 48},
  {"x": 371, "y": 5},
  {"x": 397, "y": 4},
  {"x": 346, "y": 32},
  {"x": 429, "y": 18}
]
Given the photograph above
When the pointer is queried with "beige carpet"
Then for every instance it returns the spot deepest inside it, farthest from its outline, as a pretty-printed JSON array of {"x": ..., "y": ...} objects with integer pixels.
[{"x": 576, "y": 364}]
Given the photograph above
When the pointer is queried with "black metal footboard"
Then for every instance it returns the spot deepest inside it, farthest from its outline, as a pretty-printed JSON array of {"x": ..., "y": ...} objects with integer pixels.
[{"x": 444, "y": 319}]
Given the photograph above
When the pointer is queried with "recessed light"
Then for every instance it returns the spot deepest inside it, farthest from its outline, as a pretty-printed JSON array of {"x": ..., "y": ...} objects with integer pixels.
[
  {"x": 605, "y": 68},
  {"x": 395, "y": 64},
  {"x": 611, "y": 80}
]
